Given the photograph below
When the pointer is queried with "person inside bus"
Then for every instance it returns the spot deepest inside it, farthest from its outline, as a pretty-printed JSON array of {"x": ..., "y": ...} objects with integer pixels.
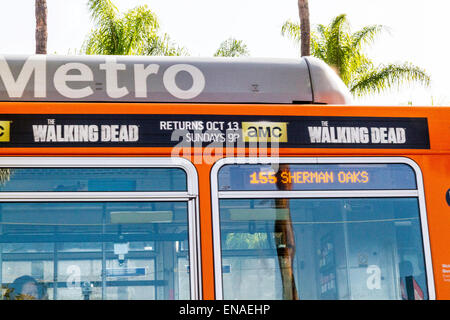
[{"x": 25, "y": 288}]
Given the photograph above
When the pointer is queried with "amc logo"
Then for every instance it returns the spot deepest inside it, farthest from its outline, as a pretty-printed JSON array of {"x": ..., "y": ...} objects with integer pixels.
[
  {"x": 4, "y": 131},
  {"x": 264, "y": 131}
]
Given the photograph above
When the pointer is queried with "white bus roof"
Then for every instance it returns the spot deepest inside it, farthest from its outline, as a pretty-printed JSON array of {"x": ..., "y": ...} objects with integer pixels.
[{"x": 169, "y": 79}]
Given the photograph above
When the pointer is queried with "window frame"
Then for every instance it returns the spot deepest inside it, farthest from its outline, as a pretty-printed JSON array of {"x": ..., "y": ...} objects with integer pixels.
[
  {"x": 190, "y": 195},
  {"x": 217, "y": 195}
]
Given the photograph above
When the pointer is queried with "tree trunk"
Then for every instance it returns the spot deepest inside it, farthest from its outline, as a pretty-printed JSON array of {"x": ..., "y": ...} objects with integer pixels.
[
  {"x": 305, "y": 32},
  {"x": 41, "y": 26}
]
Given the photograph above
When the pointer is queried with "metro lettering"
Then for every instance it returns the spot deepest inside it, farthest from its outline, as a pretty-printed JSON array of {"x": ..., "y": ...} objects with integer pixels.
[
  {"x": 61, "y": 78},
  {"x": 34, "y": 65},
  {"x": 140, "y": 78},
  {"x": 37, "y": 66},
  {"x": 111, "y": 68}
]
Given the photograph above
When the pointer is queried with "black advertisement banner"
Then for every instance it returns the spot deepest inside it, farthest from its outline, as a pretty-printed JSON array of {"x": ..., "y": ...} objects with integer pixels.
[{"x": 120, "y": 130}]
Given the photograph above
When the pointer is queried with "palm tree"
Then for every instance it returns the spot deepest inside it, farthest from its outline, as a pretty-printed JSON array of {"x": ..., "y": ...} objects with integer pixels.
[
  {"x": 134, "y": 33},
  {"x": 305, "y": 32},
  {"x": 41, "y": 26},
  {"x": 344, "y": 51},
  {"x": 232, "y": 48}
]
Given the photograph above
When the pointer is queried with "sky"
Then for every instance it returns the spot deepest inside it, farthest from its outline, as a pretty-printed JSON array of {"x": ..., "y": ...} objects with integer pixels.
[{"x": 417, "y": 32}]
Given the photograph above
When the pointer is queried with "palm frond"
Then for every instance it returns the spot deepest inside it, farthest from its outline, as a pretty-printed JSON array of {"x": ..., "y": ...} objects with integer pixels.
[
  {"x": 292, "y": 30},
  {"x": 102, "y": 10},
  {"x": 318, "y": 49},
  {"x": 338, "y": 45},
  {"x": 367, "y": 35},
  {"x": 137, "y": 23},
  {"x": 134, "y": 33},
  {"x": 343, "y": 50},
  {"x": 388, "y": 76},
  {"x": 105, "y": 15},
  {"x": 232, "y": 48},
  {"x": 161, "y": 46},
  {"x": 99, "y": 42}
]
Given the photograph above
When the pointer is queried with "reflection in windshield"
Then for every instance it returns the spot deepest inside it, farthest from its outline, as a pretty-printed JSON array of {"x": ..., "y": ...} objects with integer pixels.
[
  {"x": 94, "y": 250},
  {"x": 322, "y": 248},
  {"x": 4, "y": 175},
  {"x": 285, "y": 240}
]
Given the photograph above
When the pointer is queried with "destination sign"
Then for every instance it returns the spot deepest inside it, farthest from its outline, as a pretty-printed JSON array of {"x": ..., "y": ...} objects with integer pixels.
[
  {"x": 309, "y": 177},
  {"x": 287, "y": 177}
]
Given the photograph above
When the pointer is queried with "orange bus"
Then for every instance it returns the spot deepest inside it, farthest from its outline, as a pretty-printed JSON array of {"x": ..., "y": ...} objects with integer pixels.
[{"x": 191, "y": 178}]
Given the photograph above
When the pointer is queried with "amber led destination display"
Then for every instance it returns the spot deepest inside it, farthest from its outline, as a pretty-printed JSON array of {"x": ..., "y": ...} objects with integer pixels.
[{"x": 254, "y": 177}]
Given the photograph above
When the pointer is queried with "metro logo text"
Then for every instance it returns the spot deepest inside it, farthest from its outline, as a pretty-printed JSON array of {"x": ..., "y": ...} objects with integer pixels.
[{"x": 76, "y": 80}]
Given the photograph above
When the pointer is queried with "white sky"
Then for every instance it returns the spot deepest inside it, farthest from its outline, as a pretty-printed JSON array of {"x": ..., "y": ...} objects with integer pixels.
[{"x": 419, "y": 31}]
